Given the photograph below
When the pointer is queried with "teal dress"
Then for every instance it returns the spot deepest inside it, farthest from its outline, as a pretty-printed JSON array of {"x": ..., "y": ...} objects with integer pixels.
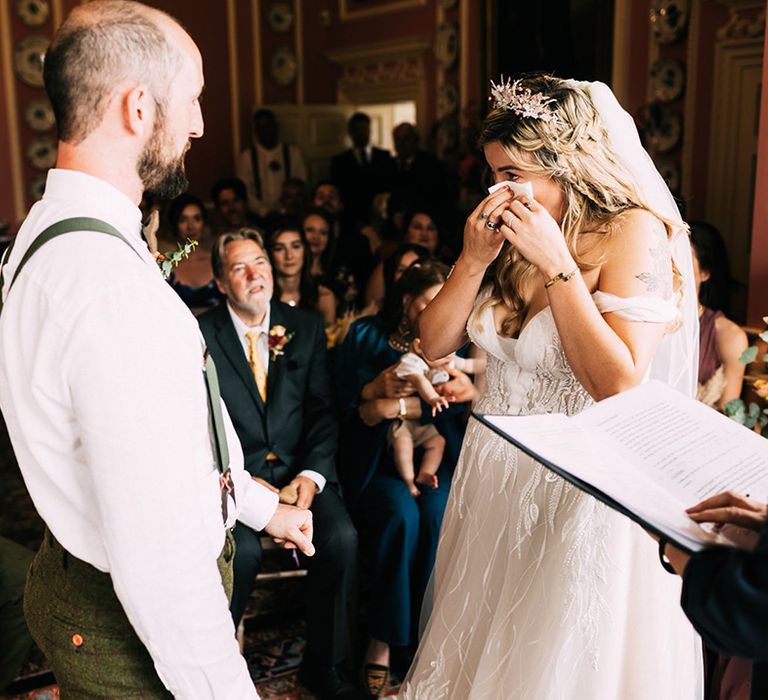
[{"x": 400, "y": 532}]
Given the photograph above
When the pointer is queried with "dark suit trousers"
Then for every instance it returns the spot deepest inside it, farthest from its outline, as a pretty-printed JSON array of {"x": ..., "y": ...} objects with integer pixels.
[{"x": 330, "y": 572}]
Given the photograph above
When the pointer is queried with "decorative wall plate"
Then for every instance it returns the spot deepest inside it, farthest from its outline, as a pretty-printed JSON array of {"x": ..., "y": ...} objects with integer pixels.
[
  {"x": 447, "y": 99},
  {"x": 668, "y": 19},
  {"x": 39, "y": 115},
  {"x": 41, "y": 152},
  {"x": 33, "y": 12},
  {"x": 280, "y": 17},
  {"x": 284, "y": 66},
  {"x": 667, "y": 79},
  {"x": 661, "y": 127},
  {"x": 37, "y": 187},
  {"x": 447, "y": 44},
  {"x": 670, "y": 171},
  {"x": 28, "y": 59}
]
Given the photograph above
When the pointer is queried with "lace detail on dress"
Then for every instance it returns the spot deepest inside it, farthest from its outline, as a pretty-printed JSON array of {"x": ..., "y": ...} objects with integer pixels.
[{"x": 537, "y": 589}]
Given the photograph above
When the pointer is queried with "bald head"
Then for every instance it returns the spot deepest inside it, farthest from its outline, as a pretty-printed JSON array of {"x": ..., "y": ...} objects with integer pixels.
[{"x": 102, "y": 47}]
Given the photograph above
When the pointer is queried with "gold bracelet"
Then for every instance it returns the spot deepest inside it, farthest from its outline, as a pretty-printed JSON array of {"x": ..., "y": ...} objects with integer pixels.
[
  {"x": 565, "y": 276},
  {"x": 403, "y": 410}
]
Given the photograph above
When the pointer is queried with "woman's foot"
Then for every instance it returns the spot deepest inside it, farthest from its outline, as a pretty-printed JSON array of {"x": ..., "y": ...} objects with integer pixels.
[{"x": 376, "y": 669}]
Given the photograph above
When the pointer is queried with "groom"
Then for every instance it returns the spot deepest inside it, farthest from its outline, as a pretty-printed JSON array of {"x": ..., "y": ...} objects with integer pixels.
[{"x": 275, "y": 382}]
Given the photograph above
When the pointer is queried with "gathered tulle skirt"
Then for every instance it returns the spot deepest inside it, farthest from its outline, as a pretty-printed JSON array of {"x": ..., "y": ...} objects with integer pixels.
[{"x": 541, "y": 592}]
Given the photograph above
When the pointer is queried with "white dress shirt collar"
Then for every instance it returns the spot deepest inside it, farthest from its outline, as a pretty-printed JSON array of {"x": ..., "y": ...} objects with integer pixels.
[{"x": 73, "y": 187}]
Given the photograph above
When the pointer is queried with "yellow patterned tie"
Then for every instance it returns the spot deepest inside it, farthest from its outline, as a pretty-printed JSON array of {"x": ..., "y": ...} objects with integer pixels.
[{"x": 257, "y": 366}]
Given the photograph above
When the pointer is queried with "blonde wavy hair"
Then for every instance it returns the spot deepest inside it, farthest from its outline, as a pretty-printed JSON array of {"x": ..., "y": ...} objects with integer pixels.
[{"x": 574, "y": 151}]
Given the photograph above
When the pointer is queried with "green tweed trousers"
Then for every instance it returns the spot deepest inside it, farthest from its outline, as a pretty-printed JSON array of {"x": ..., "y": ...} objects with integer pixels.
[{"x": 78, "y": 623}]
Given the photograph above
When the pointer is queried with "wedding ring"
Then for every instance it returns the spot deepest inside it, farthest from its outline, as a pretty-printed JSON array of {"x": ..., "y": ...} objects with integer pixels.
[
  {"x": 526, "y": 203},
  {"x": 483, "y": 216},
  {"x": 490, "y": 225}
]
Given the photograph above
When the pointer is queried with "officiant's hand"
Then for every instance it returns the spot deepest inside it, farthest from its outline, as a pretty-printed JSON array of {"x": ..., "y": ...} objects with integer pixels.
[
  {"x": 730, "y": 509},
  {"x": 292, "y": 528}
]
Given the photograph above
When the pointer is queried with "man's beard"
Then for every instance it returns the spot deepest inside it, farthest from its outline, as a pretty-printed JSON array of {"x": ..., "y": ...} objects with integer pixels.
[{"x": 161, "y": 177}]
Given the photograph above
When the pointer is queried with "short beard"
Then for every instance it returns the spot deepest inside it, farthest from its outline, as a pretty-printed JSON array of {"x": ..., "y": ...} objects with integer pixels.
[{"x": 161, "y": 177}]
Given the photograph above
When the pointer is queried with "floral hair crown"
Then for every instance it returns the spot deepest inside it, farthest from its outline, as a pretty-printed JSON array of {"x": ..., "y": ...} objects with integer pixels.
[{"x": 509, "y": 95}]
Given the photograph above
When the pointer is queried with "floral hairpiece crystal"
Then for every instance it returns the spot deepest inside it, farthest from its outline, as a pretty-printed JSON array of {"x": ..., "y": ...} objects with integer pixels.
[{"x": 509, "y": 95}]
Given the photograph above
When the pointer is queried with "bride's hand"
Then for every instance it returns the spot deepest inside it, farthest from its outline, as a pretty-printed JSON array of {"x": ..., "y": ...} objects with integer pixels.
[
  {"x": 481, "y": 243},
  {"x": 530, "y": 228}
]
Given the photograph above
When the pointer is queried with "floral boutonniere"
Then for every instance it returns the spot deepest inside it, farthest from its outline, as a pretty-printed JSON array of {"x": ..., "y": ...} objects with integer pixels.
[
  {"x": 278, "y": 338},
  {"x": 171, "y": 258}
]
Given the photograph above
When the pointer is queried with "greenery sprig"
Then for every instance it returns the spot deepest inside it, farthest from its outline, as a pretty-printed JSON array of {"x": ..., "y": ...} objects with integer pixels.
[
  {"x": 754, "y": 416},
  {"x": 171, "y": 258}
]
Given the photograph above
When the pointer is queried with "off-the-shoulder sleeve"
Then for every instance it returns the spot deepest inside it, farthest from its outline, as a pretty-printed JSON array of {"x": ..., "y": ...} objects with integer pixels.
[{"x": 649, "y": 309}]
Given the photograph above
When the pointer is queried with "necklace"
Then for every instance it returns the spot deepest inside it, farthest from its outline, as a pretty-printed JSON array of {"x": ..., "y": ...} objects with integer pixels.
[{"x": 401, "y": 339}]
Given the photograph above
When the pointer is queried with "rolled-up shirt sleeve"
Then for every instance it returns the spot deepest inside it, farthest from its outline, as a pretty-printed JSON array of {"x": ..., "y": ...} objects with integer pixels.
[{"x": 135, "y": 376}]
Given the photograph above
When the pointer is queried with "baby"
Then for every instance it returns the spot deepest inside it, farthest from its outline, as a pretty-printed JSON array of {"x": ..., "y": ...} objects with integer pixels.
[{"x": 405, "y": 435}]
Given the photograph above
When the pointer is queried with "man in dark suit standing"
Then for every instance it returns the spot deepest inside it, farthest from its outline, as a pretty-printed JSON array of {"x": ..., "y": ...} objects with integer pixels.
[
  {"x": 275, "y": 382},
  {"x": 361, "y": 172},
  {"x": 419, "y": 177}
]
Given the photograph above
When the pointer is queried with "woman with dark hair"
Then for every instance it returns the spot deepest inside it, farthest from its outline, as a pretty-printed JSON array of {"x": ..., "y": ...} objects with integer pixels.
[
  {"x": 290, "y": 253},
  {"x": 192, "y": 278},
  {"x": 402, "y": 530},
  {"x": 329, "y": 264},
  {"x": 390, "y": 269},
  {"x": 419, "y": 228},
  {"x": 721, "y": 341}
]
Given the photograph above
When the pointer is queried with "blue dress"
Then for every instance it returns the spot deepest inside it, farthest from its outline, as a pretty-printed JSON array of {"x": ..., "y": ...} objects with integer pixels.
[{"x": 400, "y": 532}]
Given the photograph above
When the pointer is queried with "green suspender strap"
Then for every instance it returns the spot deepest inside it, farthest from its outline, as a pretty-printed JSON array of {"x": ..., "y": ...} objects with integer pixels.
[{"x": 82, "y": 223}]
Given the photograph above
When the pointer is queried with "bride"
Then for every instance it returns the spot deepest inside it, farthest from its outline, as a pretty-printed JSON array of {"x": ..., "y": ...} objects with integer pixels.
[{"x": 576, "y": 293}]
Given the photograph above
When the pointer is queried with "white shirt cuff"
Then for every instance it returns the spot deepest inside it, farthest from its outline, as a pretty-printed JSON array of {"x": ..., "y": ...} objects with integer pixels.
[{"x": 318, "y": 478}]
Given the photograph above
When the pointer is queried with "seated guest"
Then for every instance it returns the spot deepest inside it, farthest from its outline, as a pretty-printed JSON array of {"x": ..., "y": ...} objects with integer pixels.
[
  {"x": 725, "y": 591},
  {"x": 353, "y": 244},
  {"x": 401, "y": 531},
  {"x": 273, "y": 371},
  {"x": 229, "y": 199},
  {"x": 721, "y": 341},
  {"x": 192, "y": 278},
  {"x": 419, "y": 228},
  {"x": 293, "y": 201},
  {"x": 328, "y": 264},
  {"x": 295, "y": 286},
  {"x": 391, "y": 270},
  {"x": 361, "y": 172}
]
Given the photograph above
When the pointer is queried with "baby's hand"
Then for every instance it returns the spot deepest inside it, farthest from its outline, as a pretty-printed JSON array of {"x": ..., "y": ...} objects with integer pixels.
[{"x": 438, "y": 404}]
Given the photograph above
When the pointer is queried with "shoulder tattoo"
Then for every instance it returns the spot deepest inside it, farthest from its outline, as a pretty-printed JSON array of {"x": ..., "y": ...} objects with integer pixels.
[{"x": 658, "y": 280}]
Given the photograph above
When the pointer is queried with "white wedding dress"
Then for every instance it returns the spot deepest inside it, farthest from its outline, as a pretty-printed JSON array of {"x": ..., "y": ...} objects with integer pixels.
[{"x": 540, "y": 591}]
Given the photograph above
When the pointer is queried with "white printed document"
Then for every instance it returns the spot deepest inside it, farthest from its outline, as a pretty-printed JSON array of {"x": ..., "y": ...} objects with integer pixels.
[{"x": 650, "y": 453}]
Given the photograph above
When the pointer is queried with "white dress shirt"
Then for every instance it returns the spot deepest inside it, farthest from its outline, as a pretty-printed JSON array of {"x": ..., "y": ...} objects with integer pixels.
[
  {"x": 241, "y": 328},
  {"x": 271, "y": 181},
  {"x": 102, "y": 389}
]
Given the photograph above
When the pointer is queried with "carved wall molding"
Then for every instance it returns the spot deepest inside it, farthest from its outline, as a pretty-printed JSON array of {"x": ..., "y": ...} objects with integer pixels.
[
  {"x": 404, "y": 48},
  {"x": 382, "y": 72},
  {"x": 746, "y": 19}
]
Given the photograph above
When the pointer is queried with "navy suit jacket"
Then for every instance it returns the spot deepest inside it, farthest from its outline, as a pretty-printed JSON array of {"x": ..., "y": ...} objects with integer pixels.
[
  {"x": 298, "y": 422},
  {"x": 725, "y": 595}
]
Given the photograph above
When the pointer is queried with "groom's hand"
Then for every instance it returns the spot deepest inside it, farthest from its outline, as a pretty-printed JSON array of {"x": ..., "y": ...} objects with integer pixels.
[{"x": 292, "y": 528}]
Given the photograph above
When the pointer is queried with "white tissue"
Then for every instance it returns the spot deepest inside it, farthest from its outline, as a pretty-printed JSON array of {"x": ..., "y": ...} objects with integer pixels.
[{"x": 519, "y": 189}]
